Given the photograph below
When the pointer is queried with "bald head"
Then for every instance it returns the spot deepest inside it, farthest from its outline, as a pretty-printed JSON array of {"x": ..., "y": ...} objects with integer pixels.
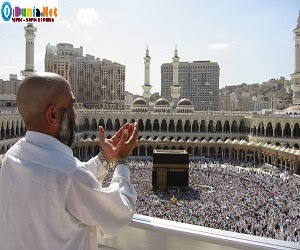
[{"x": 36, "y": 92}]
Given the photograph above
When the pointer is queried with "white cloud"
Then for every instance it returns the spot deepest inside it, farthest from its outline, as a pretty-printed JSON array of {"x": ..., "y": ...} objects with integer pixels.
[
  {"x": 219, "y": 46},
  {"x": 88, "y": 17},
  {"x": 66, "y": 23}
]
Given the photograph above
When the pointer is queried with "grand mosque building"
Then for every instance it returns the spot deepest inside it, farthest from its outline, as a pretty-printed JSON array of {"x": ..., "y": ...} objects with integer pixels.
[{"x": 174, "y": 124}]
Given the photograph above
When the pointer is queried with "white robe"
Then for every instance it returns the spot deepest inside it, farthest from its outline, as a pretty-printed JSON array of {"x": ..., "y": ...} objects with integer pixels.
[{"x": 51, "y": 200}]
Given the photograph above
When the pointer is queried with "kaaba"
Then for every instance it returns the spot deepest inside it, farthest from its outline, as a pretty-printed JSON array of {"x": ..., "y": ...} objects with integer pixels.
[{"x": 170, "y": 169}]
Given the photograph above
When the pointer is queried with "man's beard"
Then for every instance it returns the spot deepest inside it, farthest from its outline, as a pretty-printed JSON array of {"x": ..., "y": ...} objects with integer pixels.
[{"x": 66, "y": 133}]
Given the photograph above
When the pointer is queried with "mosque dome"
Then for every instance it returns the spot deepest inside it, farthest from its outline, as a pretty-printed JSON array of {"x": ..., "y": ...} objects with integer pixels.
[
  {"x": 139, "y": 102},
  {"x": 184, "y": 106},
  {"x": 293, "y": 110},
  {"x": 162, "y": 105},
  {"x": 162, "y": 102},
  {"x": 184, "y": 102},
  {"x": 139, "y": 105}
]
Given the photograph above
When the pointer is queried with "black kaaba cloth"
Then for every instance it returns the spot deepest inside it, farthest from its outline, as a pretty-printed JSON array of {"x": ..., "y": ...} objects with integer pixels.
[{"x": 170, "y": 169}]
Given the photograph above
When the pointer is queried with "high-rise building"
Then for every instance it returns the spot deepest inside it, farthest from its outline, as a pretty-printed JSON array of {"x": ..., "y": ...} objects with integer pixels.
[
  {"x": 95, "y": 83},
  {"x": 224, "y": 101},
  {"x": 198, "y": 81},
  {"x": 9, "y": 87},
  {"x": 245, "y": 102}
]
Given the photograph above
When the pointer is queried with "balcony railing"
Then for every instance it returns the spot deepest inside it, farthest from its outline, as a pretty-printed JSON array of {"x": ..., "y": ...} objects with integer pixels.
[{"x": 150, "y": 233}]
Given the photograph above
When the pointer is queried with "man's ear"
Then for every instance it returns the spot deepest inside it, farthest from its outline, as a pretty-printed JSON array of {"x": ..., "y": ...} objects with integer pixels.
[{"x": 52, "y": 115}]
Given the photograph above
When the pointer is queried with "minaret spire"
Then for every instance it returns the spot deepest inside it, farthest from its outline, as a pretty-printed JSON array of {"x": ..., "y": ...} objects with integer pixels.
[
  {"x": 29, "y": 54},
  {"x": 175, "y": 52},
  {"x": 175, "y": 88},
  {"x": 147, "y": 87},
  {"x": 295, "y": 77}
]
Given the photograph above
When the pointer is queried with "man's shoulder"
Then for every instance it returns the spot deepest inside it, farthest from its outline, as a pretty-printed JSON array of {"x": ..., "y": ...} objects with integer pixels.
[
  {"x": 36, "y": 156},
  {"x": 14, "y": 149}
]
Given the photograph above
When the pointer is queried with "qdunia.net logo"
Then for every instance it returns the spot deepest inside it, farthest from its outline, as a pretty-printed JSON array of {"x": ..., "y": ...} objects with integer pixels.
[{"x": 28, "y": 11}]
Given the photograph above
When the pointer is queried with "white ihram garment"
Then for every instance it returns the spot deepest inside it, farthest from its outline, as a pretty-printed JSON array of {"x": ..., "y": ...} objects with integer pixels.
[{"x": 51, "y": 200}]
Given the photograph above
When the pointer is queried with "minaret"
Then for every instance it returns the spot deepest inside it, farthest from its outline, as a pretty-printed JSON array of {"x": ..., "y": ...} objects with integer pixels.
[
  {"x": 175, "y": 88},
  {"x": 147, "y": 87},
  {"x": 295, "y": 77},
  {"x": 29, "y": 55}
]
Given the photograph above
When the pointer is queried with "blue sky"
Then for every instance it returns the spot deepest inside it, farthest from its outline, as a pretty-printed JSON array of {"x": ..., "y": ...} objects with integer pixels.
[{"x": 251, "y": 40}]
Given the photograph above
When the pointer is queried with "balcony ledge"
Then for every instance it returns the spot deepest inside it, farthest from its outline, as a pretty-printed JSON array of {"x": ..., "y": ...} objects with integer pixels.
[{"x": 153, "y": 233}]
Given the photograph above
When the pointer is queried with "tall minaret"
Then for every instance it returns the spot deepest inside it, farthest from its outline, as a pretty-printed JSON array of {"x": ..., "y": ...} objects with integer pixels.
[
  {"x": 147, "y": 87},
  {"x": 175, "y": 88},
  {"x": 29, "y": 55},
  {"x": 296, "y": 75}
]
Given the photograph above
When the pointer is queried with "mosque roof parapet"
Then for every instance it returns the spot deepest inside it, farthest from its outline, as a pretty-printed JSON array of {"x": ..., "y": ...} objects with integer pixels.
[
  {"x": 241, "y": 114},
  {"x": 282, "y": 149},
  {"x": 235, "y": 141},
  {"x": 243, "y": 142},
  {"x": 270, "y": 147}
]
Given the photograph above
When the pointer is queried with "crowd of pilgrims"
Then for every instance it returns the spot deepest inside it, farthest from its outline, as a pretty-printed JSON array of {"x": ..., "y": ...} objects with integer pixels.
[{"x": 224, "y": 196}]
